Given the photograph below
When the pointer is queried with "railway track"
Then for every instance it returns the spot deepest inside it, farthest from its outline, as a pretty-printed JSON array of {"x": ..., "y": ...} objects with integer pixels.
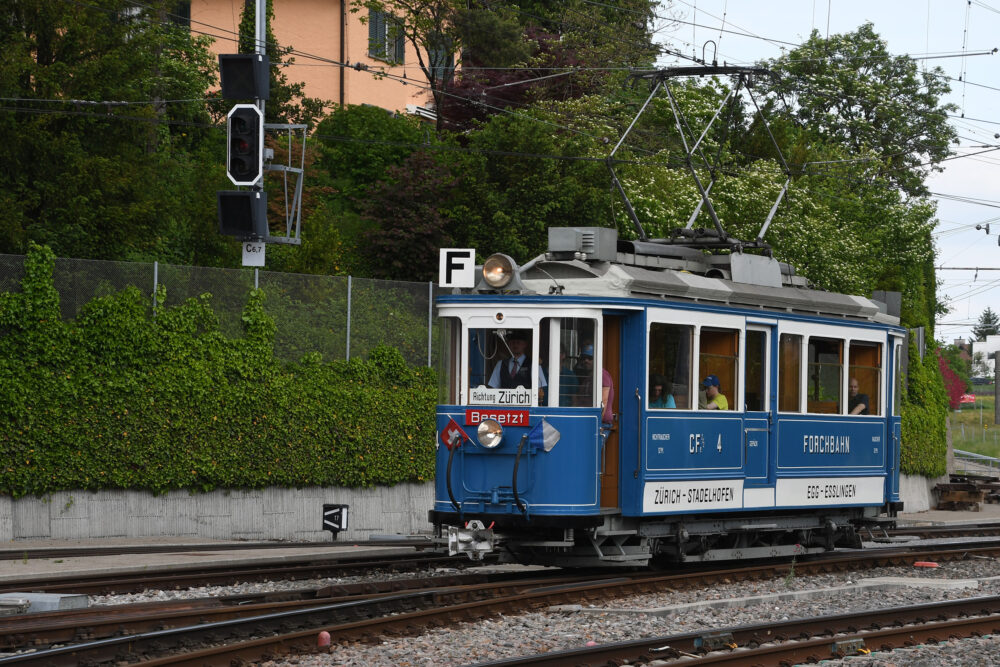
[
  {"x": 796, "y": 641},
  {"x": 224, "y": 574},
  {"x": 42, "y": 553},
  {"x": 221, "y": 636},
  {"x": 932, "y": 532}
]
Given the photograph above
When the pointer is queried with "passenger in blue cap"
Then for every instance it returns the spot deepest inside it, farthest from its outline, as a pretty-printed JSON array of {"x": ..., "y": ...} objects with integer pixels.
[{"x": 714, "y": 399}]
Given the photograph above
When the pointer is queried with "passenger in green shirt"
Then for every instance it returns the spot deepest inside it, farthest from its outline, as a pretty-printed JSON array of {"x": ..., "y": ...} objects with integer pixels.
[{"x": 714, "y": 399}]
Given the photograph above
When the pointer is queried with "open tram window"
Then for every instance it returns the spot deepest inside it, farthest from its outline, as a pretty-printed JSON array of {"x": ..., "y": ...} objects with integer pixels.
[
  {"x": 449, "y": 360},
  {"x": 502, "y": 368},
  {"x": 719, "y": 356},
  {"x": 825, "y": 376},
  {"x": 576, "y": 360},
  {"x": 789, "y": 378},
  {"x": 755, "y": 370},
  {"x": 864, "y": 379},
  {"x": 670, "y": 365}
]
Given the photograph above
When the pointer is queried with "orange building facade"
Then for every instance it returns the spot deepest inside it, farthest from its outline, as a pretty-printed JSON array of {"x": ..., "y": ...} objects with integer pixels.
[{"x": 323, "y": 33}]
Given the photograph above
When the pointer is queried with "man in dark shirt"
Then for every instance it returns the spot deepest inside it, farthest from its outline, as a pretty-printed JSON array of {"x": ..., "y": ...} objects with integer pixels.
[
  {"x": 857, "y": 404},
  {"x": 515, "y": 371}
]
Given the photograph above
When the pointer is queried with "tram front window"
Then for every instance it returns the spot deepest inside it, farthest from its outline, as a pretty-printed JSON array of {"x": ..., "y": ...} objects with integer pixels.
[
  {"x": 574, "y": 338},
  {"x": 503, "y": 368}
]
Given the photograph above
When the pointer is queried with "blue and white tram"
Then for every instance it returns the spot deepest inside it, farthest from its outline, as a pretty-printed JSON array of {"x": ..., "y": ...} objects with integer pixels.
[{"x": 531, "y": 465}]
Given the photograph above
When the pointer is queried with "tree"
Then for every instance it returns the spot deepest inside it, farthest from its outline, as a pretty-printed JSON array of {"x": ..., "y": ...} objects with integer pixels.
[
  {"x": 409, "y": 214},
  {"x": 988, "y": 325},
  {"x": 123, "y": 174},
  {"x": 429, "y": 25},
  {"x": 560, "y": 51},
  {"x": 850, "y": 90},
  {"x": 958, "y": 363}
]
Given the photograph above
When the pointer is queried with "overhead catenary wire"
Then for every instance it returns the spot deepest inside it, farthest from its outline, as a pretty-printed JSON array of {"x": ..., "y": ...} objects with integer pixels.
[{"x": 411, "y": 82}]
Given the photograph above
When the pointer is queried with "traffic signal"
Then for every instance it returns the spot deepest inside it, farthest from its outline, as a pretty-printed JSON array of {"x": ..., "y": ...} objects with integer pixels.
[
  {"x": 244, "y": 76},
  {"x": 245, "y": 132},
  {"x": 243, "y": 214}
]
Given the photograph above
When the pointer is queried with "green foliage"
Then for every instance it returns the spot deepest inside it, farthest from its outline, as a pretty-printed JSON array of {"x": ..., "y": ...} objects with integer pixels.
[
  {"x": 987, "y": 325},
  {"x": 106, "y": 180},
  {"x": 409, "y": 221},
  {"x": 359, "y": 143},
  {"x": 924, "y": 412},
  {"x": 850, "y": 90},
  {"x": 508, "y": 204},
  {"x": 119, "y": 399}
]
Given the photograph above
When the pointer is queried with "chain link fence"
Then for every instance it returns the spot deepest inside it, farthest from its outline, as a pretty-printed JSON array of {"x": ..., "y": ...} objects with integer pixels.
[{"x": 336, "y": 317}]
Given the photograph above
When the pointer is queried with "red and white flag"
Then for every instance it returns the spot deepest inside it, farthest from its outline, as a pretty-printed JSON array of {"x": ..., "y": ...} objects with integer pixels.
[{"x": 453, "y": 435}]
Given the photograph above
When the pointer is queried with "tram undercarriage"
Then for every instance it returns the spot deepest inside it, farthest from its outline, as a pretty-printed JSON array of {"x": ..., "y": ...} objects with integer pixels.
[{"x": 620, "y": 541}]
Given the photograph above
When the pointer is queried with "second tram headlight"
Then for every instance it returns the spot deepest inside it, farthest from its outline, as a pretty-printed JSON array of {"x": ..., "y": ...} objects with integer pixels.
[
  {"x": 490, "y": 433},
  {"x": 498, "y": 270}
]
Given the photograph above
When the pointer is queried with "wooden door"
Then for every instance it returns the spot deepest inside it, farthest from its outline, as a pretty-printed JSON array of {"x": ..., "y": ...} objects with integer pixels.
[{"x": 612, "y": 363}]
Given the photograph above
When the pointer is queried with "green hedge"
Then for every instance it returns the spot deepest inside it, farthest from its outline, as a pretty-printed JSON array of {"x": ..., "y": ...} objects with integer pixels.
[
  {"x": 120, "y": 398},
  {"x": 924, "y": 449}
]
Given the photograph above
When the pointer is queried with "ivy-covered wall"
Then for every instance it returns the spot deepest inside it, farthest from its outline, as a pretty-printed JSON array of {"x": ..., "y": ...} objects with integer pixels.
[
  {"x": 122, "y": 398},
  {"x": 925, "y": 412}
]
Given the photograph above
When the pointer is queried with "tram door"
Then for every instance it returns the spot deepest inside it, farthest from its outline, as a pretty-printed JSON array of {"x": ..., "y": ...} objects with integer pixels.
[
  {"x": 609, "y": 458},
  {"x": 757, "y": 405}
]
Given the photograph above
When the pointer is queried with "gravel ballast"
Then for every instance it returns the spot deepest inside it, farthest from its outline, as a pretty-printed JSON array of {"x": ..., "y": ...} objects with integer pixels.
[{"x": 634, "y": 617}]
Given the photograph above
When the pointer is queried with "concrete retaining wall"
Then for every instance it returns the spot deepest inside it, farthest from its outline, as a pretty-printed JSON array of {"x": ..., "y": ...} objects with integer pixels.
[
  {"x": 916, "y": 492},
  {"x": 265, "y": 514}
]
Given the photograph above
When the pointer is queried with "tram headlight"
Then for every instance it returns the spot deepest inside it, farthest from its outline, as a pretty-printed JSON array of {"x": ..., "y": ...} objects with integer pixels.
[
  {"x": 498, "y": 270},
  {"x": 490, "y": 433}
]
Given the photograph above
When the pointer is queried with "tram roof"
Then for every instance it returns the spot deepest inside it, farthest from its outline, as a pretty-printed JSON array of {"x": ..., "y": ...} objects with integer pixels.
[{"x": 604, "y": 267}]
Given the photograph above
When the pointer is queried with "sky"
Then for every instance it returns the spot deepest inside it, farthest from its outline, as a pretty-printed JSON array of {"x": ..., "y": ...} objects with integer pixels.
[{"x": 951, "y": 32}]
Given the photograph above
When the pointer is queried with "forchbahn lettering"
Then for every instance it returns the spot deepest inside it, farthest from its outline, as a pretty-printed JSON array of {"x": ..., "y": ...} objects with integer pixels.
[{"x": 826, "y": 444}]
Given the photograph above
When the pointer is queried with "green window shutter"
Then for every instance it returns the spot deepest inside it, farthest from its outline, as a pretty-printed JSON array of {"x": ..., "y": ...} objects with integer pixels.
[
  {"x": 400, "y": 55},
  {"x": 376, "y": 34}
]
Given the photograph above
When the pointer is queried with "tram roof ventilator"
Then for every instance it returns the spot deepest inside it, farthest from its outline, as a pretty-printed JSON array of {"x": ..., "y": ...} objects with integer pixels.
[{"x": 599, "y": 244}]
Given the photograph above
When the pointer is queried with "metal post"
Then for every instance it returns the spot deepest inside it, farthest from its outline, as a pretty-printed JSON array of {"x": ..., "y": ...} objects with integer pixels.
[
  {"x": 430, "y": 319},
  {"x": 156, "y": 267},
  {"x": 256, "y": 278},
  {"x": 348, "y": 352},
  {"x": 260, "y": 37},
  {"x": 996, "y": 384}
]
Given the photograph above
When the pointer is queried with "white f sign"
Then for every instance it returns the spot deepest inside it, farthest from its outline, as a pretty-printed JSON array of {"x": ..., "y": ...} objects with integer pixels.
[{"x": 457, "y": 267}]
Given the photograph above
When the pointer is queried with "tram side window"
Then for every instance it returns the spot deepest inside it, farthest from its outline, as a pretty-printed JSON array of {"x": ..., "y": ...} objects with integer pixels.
[
  {"x": 576, "y": 359},
  {"x": 719, "y": 356},
  {"x": 866, "y": 370},
  {"x": 670, "y": 365},
  {"x": 789, "y": 378},
  {"x": 825, "y": 376},
  {"x": 755, "y": 370},
  {"x": 449, "y": 357}
]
